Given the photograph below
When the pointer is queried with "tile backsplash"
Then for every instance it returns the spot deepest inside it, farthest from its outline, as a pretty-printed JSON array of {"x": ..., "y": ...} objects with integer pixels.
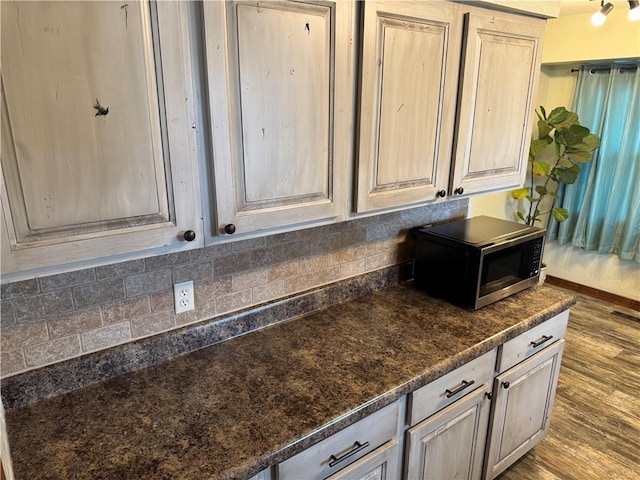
[{"x": 55, "y": 318}]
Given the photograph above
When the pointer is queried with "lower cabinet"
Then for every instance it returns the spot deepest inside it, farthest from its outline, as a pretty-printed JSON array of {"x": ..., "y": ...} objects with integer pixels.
[
  {"x": 450, "y": 444},
  {"x": 470, "y": 424},
  {"x": 450, "y": 417},
  {"x": 522, "y": 406},
  {"x": 381, "y": 464}
]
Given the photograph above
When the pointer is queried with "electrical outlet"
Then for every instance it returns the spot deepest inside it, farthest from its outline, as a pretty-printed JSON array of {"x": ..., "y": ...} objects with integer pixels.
[{"x": 183, "y": 296}]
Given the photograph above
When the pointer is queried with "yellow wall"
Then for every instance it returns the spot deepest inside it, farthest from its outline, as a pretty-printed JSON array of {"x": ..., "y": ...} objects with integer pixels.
[
  {"x": 557, "y": 88},
  {"x": 541, "y": 8},
  {"x": 573, "y": 39}
]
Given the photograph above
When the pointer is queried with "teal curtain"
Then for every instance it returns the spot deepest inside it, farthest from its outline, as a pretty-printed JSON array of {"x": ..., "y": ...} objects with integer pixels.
[{"x": 604, "y": 202}]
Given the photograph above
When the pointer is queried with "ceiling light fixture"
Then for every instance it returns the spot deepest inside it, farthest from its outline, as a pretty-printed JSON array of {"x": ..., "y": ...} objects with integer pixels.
[
  {"x": 600, "y": 16},
  {"x": 634, "y": 10}
]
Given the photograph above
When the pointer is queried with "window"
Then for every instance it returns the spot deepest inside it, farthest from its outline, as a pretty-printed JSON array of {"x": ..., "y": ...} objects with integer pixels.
[{"x": 604, "y": 202}]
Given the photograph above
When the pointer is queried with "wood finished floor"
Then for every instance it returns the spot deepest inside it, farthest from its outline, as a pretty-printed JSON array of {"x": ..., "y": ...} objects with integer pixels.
[{"x": 595, "y": 426}]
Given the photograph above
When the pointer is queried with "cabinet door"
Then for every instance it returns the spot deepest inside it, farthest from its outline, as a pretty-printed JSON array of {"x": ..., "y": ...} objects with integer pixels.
[
  {"x": 279, "y": 76},
  {"x": 411, "y": 53},
  {"x": 381, "y": 464},
  {"x": 98, "y": 152},
  {"x": 501, "y": 64},
  {"x": 523, "y": 402},
  {"x": 450, "y": 444}
]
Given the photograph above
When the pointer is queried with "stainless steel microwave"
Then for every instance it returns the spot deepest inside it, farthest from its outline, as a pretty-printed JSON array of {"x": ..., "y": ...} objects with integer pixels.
[{"x": 477, "y": 261}]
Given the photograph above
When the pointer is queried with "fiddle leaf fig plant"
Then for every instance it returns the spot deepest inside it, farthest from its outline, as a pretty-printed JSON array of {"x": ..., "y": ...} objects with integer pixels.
[{"x": 554, "y": 158}]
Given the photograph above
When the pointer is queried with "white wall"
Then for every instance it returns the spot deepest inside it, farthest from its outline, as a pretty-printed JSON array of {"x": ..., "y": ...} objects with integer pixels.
[{"x": 557, "y": 87}]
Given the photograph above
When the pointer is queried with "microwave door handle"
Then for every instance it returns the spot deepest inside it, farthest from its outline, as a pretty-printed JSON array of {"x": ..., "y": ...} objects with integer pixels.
[{"x": 491, "y": 247}]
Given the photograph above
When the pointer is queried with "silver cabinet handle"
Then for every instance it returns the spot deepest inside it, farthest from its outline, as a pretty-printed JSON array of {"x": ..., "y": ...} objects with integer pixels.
[{"x": 541, "y": 340}]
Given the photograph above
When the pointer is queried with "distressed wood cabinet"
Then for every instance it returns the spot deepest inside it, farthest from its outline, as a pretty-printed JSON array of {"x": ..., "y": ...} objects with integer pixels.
[
  {"x": 280, "y": 78},
  {"x": 450, "y": 418},
  {"x": 450, "y": 444},
  {"x": 410, "y": 58},
  {"x": 98, "y": 154},
  {"x": 366, "y": 449},
  {"x": 499, "y": 78},
  {"x": 524, "y": 394},
  {"x": 446, "y": 101},
  {"x": 381, "y": 464},
  {"x": 471, "y": 423}
]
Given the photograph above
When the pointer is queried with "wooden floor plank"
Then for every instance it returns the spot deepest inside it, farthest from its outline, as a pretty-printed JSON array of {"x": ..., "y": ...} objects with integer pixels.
[{"x": 595, "y": 427}]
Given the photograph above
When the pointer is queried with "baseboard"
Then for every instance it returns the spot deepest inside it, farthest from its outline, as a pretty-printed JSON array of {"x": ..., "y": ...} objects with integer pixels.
[{"x": 594, "y": 292}]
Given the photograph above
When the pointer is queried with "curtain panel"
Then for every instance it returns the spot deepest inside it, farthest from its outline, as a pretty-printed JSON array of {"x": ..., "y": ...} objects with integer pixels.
[{"x": 604, "y": 202}]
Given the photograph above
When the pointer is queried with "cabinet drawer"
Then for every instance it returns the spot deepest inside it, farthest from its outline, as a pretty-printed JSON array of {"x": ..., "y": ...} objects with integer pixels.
[
  {"x": 344, "y": 447},
  {"x": 523, "y": 346},
  {"x": 381, "y": 464},
  {"x": 440, "y": 393}
]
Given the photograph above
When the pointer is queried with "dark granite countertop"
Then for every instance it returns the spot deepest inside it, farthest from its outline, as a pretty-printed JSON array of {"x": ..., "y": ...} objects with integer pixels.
[{"x": 231, "y": 410}]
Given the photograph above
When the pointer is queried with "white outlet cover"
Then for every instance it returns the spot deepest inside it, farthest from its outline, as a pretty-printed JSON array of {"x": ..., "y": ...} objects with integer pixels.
[{"x": 183, "y": 297}]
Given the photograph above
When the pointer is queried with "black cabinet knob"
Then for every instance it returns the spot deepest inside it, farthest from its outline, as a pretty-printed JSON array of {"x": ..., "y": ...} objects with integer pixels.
[
  {"x": 459, "y": 191},
  {"x": 189, "y": 235},
  {"x": 441, "y": 193},
  {"x": 229, "y": 228},
  {"x": 489, "y": 395},
  {"x": 505, "y": 384}
]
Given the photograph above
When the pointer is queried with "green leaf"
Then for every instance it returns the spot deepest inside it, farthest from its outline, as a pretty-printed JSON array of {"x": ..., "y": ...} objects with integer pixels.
[
  {"x": 538, "y": 146},
  {"x": 521, "y": 216},
  {"x": 570, "y": 120},
  {"x": 565, "y": 162},
  {"x": 544, "y": 129},
  {"x": 540, "y": 168},
  {"x": 544, "y": 112},
  {"x": 578, "y": 155},
  {"x": 568, "y": 175},
  {"x": 541, "y": 190},
  {"x": 520, "y": 193},
  {"x": 575, "y": 134},
  {"x": 579, "y": 130},
  {"x": 558, "y": 149},
  {"x": 559, "y": 137},
  {"x": 560, "y": 214},
  {"x": 588, "y": 143},
  {"x": 557, "y": 115}
]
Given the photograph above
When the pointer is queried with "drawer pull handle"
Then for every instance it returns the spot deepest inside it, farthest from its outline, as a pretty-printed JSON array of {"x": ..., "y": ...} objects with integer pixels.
[
  {"x": 541, "y": 340},
  {"x": 463, "y": 385},
  {"x": 357, "y": 447}
]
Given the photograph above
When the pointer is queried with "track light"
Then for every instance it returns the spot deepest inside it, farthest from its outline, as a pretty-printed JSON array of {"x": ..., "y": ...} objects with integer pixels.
[
  {"x": 634, "y": 10},
  {"x": 600, "y": 16}
]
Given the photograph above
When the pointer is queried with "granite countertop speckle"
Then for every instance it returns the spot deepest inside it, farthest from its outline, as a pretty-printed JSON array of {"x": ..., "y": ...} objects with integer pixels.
[{"x": 233, "y": 409}]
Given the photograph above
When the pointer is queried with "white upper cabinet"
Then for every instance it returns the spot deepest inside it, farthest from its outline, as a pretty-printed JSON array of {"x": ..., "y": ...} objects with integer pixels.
[
  {"x": 499, "y": 78},
  {"x": 410, "y": 58},
  {"x": 280, "y": 80},
  {"x": 98, "y": 154},
  {"x": 446, "y": 101}
]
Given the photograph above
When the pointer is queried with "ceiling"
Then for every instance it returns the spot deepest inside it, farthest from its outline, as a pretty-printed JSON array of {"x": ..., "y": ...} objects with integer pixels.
[{"x": 574, "y": 7}]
